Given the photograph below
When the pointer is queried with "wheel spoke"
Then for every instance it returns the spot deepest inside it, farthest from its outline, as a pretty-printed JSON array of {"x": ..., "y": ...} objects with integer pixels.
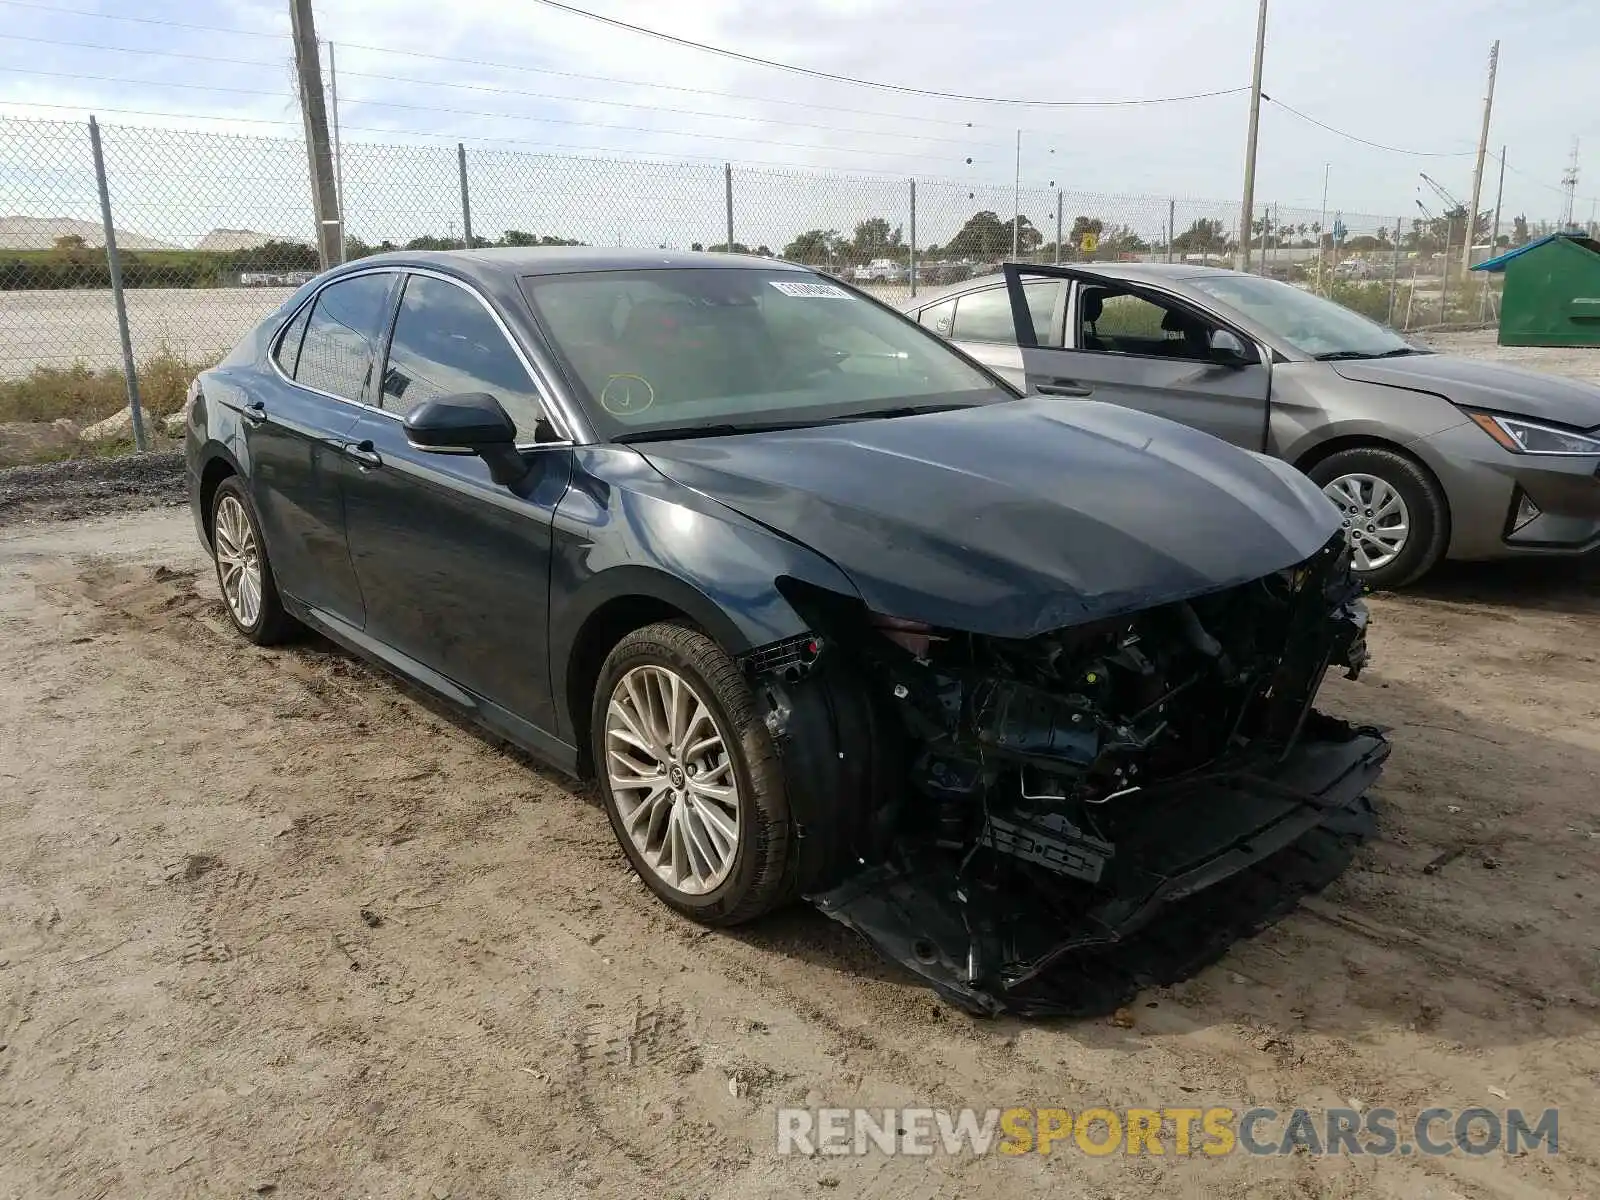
[{"x": 722, "y": 827}]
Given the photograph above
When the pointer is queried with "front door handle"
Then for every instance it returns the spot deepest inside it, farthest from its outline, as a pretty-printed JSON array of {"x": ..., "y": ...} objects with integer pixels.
[
  {"x": 255, "y": 412},
  {"x": 363, "y": 454},
  {"x": 1064, "y": 387}
]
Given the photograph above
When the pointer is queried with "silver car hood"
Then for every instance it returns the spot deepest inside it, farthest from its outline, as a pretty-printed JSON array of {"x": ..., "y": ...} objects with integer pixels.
[{"x": 1477, "y": 384}]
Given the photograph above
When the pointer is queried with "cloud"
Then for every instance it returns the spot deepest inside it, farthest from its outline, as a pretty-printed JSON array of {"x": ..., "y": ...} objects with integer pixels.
[{"x": 1407, "y": 75}]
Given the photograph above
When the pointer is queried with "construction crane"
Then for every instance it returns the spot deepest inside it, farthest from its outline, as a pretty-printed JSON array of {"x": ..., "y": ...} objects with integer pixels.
[{"x": 1439, "y": 191}]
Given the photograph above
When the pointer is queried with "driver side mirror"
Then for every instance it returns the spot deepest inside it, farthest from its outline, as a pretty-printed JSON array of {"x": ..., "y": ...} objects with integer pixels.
[
  {"x": 1229, "y": 350},
  {"x": 469, "y": 423}
]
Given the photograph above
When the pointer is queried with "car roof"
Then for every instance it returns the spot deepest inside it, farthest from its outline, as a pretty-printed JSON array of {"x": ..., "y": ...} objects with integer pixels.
[
  {"x": 505, "y": 261},
  {"x": 1132, "y": 271}
]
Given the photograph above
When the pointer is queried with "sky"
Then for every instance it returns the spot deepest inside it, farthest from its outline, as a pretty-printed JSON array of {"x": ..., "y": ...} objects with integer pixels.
[{"x": 515, "y": 81}]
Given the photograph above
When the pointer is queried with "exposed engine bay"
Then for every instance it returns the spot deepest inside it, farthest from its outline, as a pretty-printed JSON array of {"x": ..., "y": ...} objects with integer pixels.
[{"x": 1038, "y": 799}]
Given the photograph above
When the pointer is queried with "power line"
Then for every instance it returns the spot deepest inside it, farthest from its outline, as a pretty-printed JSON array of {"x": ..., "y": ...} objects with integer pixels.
[
  {"x": 486, "y": 88},
  {"x": 890, "y": 87},
  {"x": 78, "y": 12},
  {"x": 657, "y": 130},
  {"x": 1365, "y": 142},
  {"x": 452, "y": 138}
]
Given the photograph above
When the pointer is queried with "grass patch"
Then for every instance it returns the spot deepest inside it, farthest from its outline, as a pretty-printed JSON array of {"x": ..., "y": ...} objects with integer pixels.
[{"x": 86, "y": 395}]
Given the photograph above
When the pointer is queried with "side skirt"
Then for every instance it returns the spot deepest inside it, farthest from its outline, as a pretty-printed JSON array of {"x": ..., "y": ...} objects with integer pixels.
[{"x": 540, "y": 743}]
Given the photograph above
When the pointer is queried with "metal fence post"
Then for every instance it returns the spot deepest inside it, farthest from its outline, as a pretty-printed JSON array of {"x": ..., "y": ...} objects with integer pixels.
[
  {"x": 913, "y": 259},
  {"x": 1172, "y": 226},
  {"x": 130, "y": 373},
  {"x": 466, "y": 202},
  {"x": 1394, "y": 276},
  {"x": 1058, "y": 227},
  {"x": 727, "y": 187}
]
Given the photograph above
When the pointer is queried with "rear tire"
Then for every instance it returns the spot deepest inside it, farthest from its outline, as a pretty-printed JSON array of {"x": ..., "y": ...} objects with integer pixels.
[
  {"x": 1371, "y": 486},
  {"x": 690, "y": 776},
  {"x": 249, "y": 591}
]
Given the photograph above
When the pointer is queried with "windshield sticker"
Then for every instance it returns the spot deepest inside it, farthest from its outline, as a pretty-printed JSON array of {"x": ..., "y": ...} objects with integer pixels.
[
  {"x": 624, "y": 395},
  {"x": 815, "y": 291}
]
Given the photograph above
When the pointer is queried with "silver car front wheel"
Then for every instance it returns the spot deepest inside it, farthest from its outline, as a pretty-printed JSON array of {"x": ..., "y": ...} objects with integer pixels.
[
  {"x": 672, "y": 779},
  {"x": 1376, "y": 521}
]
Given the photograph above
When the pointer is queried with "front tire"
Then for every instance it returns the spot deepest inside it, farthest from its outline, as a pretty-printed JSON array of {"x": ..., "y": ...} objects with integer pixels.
[
  {"x": 249, "y": 591},
  {"x": 1395, "y": 517},
  {"x": 690, "y": 776}
]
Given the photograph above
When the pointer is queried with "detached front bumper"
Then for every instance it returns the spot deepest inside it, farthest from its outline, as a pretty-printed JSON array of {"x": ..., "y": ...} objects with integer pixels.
[{"x": 1061, "y": 946}]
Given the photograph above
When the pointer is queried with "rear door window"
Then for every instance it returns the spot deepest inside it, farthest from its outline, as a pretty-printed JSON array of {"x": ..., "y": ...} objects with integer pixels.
[
  {"x": 341, "y": 335},
  {"x": 985, "y": 316}
]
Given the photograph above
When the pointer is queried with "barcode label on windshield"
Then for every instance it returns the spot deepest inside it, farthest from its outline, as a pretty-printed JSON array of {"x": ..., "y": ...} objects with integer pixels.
[{"x": 819, "y": 291}]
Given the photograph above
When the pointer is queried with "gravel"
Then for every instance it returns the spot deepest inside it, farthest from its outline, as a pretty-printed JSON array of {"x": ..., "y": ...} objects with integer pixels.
[{"x": 91, "y": 487}]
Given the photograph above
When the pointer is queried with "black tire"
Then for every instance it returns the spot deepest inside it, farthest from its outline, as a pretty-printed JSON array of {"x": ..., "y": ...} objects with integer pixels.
[
  {"x": 760, "y": 878},
  {"x": 1426, "y": 507},
  {"x": 271, "y": 624}
]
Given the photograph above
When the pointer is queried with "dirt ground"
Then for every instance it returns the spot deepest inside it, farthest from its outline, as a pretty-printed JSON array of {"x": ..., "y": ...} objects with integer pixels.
[{"x": 270, "y": 925}]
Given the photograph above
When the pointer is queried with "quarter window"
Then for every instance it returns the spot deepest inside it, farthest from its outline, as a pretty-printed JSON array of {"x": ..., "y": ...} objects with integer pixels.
[
  {"x": 288, "y": 352},
  {"x": 337, "y": 352},
  {"x": 445, "y": 343}
]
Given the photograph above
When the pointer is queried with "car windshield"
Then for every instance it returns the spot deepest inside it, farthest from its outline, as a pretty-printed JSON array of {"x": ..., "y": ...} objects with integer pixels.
[
  {"x": 720, "y": 350},
  {"x": 1306, "y": 322}
]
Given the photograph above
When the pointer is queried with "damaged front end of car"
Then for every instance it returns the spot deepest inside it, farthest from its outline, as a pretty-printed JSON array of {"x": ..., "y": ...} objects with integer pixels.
[{"x": 1036, "y": 801}]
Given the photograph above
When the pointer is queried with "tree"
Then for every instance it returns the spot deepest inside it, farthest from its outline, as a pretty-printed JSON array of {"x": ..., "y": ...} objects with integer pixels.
[
  {"x": 724, "y": 248},
  {"x": 1204, "y": 236},
  {"x": 874, "y": 239},
  {"x": 1083, "y": 227},
  {"x": 1122, "y": 239},
  {"x": 71, "y": 241},
  {"x": 814, "y": 246},
  {"x": 985, "y": 235},
  {"x": 1519, "y": 231}
]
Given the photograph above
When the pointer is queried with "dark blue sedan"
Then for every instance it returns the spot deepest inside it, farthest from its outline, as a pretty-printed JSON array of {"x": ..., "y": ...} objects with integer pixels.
[{"x": 826, "y": 607}]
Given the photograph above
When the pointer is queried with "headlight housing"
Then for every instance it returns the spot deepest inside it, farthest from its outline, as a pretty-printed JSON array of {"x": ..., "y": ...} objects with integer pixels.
[{"x": 1533, "y": 437}]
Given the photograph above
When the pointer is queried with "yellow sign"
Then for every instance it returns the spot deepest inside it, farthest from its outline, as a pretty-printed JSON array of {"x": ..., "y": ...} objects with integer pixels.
[{"x": 1090, "y": 243}]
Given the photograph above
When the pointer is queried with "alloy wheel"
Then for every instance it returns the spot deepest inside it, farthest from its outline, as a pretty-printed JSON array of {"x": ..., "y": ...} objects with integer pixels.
[
  {"x": 238, "y": 561},
  {"x": 672, "y": 779},
  {"x": 1377, "y": 523}
]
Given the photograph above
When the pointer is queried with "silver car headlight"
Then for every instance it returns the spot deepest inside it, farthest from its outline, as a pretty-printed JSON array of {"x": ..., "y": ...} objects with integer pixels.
[{"x": 1530, "y": 437}]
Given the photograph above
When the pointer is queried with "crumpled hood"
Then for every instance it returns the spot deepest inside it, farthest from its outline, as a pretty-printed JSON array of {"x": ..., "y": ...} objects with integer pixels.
[
  {"x": 1479, "y": 384},
  {"x": 1016, "y": 518}
]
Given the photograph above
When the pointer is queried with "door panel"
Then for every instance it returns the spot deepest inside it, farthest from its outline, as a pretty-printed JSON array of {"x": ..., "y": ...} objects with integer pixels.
[
  {"x": 1135, "y": 345},
  {"x": 980, "y": 323},
  {"x": 455, "y": 568},
  {"x": 293, "y": 436}
]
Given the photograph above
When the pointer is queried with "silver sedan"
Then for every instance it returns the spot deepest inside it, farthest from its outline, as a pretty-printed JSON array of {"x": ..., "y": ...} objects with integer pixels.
[{"x": 1426, "y": 455}]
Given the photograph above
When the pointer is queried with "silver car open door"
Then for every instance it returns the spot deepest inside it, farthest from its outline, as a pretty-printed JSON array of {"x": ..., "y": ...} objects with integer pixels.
[{"x": 1139, "y": 345}]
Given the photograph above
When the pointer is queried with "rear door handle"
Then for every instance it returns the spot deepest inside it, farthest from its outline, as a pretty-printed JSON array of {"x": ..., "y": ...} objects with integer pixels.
[
  {"x": 255, "y": 412},
  {"x": 1064, "y": 387},
  {"x": 363, "y": 455}
]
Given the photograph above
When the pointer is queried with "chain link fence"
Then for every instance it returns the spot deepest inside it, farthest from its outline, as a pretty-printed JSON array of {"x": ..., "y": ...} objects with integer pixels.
[{"x": 214, "y": 231}]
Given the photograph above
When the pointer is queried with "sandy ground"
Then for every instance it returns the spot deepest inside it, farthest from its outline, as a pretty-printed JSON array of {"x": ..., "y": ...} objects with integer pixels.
[
  {"x": 271, "y": 925},
  {"x": 59, "y": 328}
]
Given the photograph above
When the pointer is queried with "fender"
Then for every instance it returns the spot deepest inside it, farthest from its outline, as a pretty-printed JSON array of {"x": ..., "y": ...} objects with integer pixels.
[{"x": 671, "y": 545}]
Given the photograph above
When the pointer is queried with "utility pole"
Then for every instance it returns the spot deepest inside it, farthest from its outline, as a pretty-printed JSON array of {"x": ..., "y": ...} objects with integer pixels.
[
  {"x": 1477, "y": 171},
  {"x": 324, "y": 192},
  {"x": 1322, "y": 225},
  {"x": 338, "y": 155},
  {"x": 1569, "y": 185},
  {"x": 1016, "y": 204},
  {"x": 1499, "y": 194},
  {"x": 1246, "y": 214}
]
